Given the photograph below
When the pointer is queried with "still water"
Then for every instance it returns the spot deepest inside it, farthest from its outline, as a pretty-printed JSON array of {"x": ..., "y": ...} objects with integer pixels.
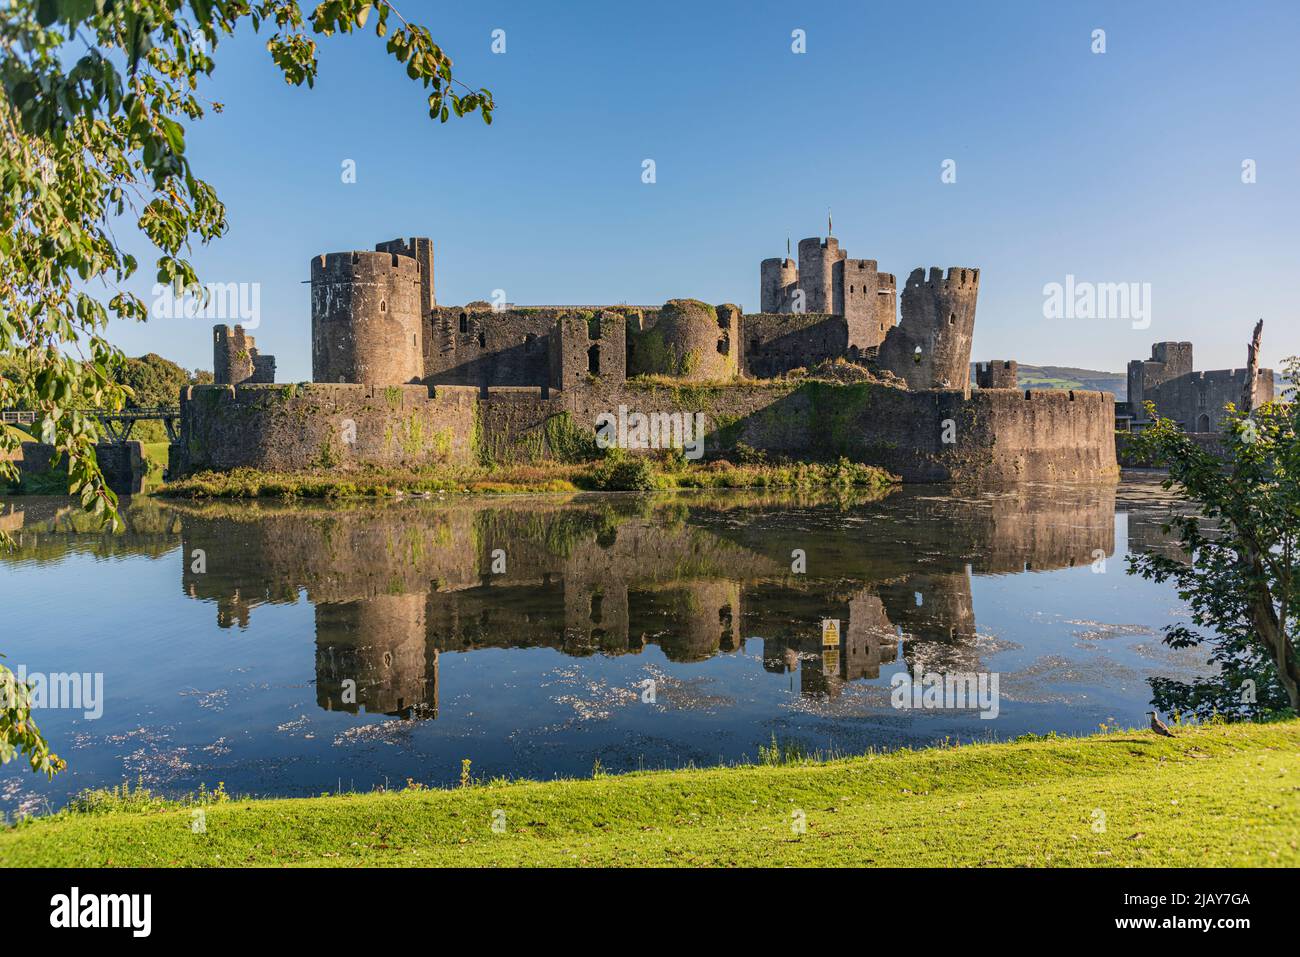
[{"x": 297, "y": 649}]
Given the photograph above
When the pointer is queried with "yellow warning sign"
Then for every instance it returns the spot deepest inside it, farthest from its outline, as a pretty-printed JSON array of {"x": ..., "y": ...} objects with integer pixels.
[{"x": 830, "y": 632}]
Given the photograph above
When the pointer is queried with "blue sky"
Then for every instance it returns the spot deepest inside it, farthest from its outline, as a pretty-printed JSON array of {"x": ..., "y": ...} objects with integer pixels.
[{"x": 1115, "y": 167}]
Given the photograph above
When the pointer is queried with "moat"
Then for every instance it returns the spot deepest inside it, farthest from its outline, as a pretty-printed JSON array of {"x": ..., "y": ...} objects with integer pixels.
[{"x": 296, "y": 649}]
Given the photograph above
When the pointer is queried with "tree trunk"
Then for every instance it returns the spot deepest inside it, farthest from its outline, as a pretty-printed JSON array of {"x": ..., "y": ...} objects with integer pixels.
[
  {"x": 1288, "y": 669},
  {"x": 1252, "y": 370},
  {"x": 1263, "y": 614}
]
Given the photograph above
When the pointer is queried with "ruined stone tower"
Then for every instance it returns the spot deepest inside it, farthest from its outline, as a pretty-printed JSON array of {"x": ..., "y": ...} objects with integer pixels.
[
  {"x": 997, "y": 374},
  {"x": 367, "y": 314},
  {"x": 818, "y": 263},
  {"x": 235, "y": 358},
  {"x": 930, "y": 347},
  {"x": 689, "y": 340}
]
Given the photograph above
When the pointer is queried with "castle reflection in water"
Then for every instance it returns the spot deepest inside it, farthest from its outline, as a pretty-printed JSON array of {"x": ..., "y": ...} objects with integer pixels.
[{"x": 396, "y": 586}]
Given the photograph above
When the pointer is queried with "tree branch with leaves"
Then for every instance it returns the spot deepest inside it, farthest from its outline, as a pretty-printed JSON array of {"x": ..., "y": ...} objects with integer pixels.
[
  {"x": 95, "y": 100},
  {"x": 1240, "y": 571}
]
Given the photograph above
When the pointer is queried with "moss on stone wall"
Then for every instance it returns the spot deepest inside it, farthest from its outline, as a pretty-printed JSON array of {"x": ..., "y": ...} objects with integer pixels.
[
  {"x": 413, "y": 434},
  {"x": 567, "y": 441},
  {"x": 649, "y": 355},
  {"x": 836, "y": 411},
  {"x": 442, "y": 442}
]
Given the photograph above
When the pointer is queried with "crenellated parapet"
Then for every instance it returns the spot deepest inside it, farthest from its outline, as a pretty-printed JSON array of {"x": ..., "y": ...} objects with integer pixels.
[
  {"x": 997, "y": 374},
  {"x": 1197, "y": 401},
  {"x": 366, "y": 318},
  {"x": 930, "y": 347},
  {"x": 235, "y": 358}
]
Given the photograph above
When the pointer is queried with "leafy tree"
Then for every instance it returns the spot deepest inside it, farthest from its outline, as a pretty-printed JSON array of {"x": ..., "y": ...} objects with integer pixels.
[
  {"x": 18, "y": 732},
  {"x": 1240, "y": 572},
  {"x": 95, "y": 98},
  {"x": 153, "y": 381}
]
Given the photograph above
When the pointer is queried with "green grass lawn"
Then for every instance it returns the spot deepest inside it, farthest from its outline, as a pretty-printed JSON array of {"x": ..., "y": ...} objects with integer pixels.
[
  {"x": 156, "y": 452},
  {"x": 1221, "y": 795}
]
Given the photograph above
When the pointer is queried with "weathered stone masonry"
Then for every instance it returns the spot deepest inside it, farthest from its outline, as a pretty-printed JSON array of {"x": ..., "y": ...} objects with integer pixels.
[
  {"x": 314, "y": 426},
  {"x": 402, "y": 381},
  {"x": 1195, "y": 400}
]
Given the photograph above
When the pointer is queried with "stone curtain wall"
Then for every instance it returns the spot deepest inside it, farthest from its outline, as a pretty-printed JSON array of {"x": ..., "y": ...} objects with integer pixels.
[
  {"x": 305, "y": 426},
  {"x": 999, "y": 436},
  {"x": 1044, "y": 435},
  {"x": 494, "y": 348},
  {"x": 1196, "y": 400},
  {"x": 472, "y": 345},
  {"x": 771, "y": 344},
  {"x": 513, "y": 425}
]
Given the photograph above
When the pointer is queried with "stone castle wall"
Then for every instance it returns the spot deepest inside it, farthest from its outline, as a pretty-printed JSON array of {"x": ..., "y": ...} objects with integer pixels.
[
  {"x": 772, "y": 344},
  {"x": 995, "y": 436},
  {"x": 306, "y": 426},
  {"x": 1195, "y": 400},
  {"x": 123, "y": 463}
]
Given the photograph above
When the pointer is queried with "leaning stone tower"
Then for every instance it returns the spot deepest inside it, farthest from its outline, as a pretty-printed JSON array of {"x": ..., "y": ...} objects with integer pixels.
[
  {"x": 930, "y": 347},
  {"x": 367, "y": 318}
]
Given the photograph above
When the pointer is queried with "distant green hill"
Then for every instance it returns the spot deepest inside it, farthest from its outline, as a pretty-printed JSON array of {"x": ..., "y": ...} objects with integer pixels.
[{"x": 1068, "y": 377}]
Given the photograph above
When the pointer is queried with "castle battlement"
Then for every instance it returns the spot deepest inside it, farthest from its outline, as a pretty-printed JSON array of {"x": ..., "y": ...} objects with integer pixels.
[
  {"x": 402, "y": 382},
  {"x": 956, "y": 277},
  {"x": 362, "y": 265},
  {"x": 1195, "y": 399}
]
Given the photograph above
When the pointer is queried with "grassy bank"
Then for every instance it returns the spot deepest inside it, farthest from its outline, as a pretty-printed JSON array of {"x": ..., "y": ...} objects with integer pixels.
[
  {"x": 1218, "y": 795},
  {"x": 614, "y": 474}
]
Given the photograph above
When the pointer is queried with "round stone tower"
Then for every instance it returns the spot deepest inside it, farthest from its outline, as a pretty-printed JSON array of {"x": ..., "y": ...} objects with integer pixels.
[
  {"x": 778, "y": 277},
  {"x": 366, "y": 322},
  {"x": 688, "y": 342}
]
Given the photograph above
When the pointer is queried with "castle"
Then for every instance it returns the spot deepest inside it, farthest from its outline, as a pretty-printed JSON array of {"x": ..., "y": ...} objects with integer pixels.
[
  {"x": 1195, "y": 400},
  {"x": 420, "y": 383}
]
